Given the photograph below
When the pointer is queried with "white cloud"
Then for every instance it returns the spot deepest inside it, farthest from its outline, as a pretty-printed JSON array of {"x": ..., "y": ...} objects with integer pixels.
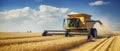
[
  {"x": 98, "y": 2},
  {"x": 73, "y": 13},
  {"x": 15, "y": 13},
  {"x": 31, "y": 19}
]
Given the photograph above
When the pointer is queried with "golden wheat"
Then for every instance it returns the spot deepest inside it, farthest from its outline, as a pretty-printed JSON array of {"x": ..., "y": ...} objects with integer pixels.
[
  {"x": 104, "y": 45},
  {"x": 88, "y": 46},
  {"x": 111, "y": 44},
  {"x": 115, "y": 46},
  {"x": 116, "y": 32},
  {"x": 27, "y": 40},
  {"x": 53, "y": 45},
  {"x": 7, "y": 35}
]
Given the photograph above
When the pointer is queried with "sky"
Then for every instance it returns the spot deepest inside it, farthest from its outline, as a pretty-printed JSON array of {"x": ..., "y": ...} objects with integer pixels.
[{"x": 40, "y": 15}]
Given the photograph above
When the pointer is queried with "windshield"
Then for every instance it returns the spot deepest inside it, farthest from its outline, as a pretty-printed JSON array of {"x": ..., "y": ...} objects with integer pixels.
[{"x": 73, "y": 23}]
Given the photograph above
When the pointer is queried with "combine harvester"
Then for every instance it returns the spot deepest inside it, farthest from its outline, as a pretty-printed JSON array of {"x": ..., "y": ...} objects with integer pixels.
[{"x": 76, "y": 24}]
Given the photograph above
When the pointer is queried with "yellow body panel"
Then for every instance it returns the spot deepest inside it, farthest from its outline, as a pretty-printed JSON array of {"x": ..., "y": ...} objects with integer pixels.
[
  {"x": 82, "y": 20},
  {"x": 83, "y": 24}
]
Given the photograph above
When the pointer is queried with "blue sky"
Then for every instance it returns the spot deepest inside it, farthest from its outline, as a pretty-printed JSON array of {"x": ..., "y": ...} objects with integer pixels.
[{"x": 36, "y": 15}]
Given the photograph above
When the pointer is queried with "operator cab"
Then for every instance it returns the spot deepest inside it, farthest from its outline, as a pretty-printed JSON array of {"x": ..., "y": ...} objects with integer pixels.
[{"x": 73, "y": 23}]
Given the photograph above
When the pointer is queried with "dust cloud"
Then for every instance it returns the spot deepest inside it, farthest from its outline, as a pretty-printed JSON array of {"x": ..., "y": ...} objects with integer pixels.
[{"x": 104, "y": 30}]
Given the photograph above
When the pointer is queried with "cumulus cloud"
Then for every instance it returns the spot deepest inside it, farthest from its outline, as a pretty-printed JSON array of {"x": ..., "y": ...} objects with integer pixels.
[
  {"x": 31, "y": 18},
  {"x": 15, "y": 13},
  {"x": 98, "y": 2},
  {"x": 73, "y": 13}
]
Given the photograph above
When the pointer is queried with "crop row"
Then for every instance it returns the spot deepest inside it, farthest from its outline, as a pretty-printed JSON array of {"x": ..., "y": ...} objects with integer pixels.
[
  {"x": 53, "y": 45},
  {"x": 104, "y": 44},
  {"x": 89, "y": 45},
  {"x": 27, "y": 40},
  {"x": 115, "y": 46}
]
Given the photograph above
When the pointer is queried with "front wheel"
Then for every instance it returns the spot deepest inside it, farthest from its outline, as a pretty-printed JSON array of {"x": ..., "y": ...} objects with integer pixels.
[
  {"x": 94, "y": 32},
  {"x": 44, "y": 33},
  {"x": 66, "y": 34}
]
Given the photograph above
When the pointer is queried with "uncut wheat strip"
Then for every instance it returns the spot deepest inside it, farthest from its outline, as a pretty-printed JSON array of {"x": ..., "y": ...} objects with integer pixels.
[
  {"x": 104, "y": 45},
  {"x": 112, "y": 45},
  {"x": 53, "y": 45},
  {"x": 88, "y": 46},
  {"x": 116, "y": 46},
  {"x": 118, "y": 43},
  {"x": 26, "y": 40},
  {"x": 81, "y": 47},
  {"x": 117, "y": 33},
  {"x": 95, "y": 44},
  {"x": 107, "y": 45}
]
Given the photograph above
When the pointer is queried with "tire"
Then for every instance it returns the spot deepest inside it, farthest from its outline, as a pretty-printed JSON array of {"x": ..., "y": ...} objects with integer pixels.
[
  {"x": 93, "y": 32},
  {"x": 44, "y": 33},
  {"x": 66, "y": 34},
  {"x": 89, "y": 36}
]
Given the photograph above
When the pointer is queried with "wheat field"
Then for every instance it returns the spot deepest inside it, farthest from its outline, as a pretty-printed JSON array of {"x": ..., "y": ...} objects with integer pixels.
[
  {"x": 13, "y": 35},
  {"x": 104, "y": 44},
  {"x": 27, "y": 40},
  {"x": 16, "y": 41}
]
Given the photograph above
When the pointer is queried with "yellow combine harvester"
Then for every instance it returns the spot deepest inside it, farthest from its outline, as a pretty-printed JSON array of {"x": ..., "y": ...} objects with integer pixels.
[{"x": 78, "y": 23}]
